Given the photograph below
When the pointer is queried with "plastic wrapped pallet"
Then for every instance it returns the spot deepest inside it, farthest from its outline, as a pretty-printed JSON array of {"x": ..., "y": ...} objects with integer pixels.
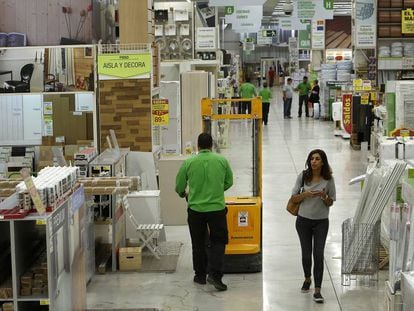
[{"x": 387, "y": 150}]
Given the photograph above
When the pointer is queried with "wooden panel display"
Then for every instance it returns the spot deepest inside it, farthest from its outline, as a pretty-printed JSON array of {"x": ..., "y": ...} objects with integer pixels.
[
  {"x": 73, "y": 126},
  {"x": 43, "y": 20},
  {"x": 194, "y": 87},
  {"x": 125, "y": 107},
  {"x": 133, "y": 22}
]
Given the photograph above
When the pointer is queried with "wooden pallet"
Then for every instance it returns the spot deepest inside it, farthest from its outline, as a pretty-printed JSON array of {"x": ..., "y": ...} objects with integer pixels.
[{"x": 383, "y": 258}]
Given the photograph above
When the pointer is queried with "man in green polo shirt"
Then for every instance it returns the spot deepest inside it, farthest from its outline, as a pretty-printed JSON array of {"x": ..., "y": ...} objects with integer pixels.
[
  {"x": 207, "y": 175},
  {"x": 266, "y": 95},
  {"x": 304, "y": 88},
  {"x": 247, "y": 90}
]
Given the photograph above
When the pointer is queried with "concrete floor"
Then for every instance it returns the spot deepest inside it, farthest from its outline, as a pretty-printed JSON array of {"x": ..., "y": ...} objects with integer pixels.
[{"x": 286, "y": 144}]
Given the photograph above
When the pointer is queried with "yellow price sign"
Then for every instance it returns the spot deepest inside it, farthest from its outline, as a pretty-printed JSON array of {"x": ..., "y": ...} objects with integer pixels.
[
  {"x": 159, "y": 113},
  {"x": 44, "y": 302},
  {"x": 41, "y": 222},
  {"x": 364, "y": 99},
  {"x": 407, "y": 21}
]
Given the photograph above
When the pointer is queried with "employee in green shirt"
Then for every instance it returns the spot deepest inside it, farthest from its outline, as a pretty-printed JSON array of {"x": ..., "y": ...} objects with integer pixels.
[
  {"x": 304, "y": 88},
  {"x": 247, "y": 90},
  {"x": 207, "y": 175},
  {"x": 266, "y": 95}
]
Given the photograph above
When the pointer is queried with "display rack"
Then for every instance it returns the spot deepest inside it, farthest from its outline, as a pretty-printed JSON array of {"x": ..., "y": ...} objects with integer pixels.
[
  {"x": 108, "y": 212},
  {"x": 43, "y": 260}
]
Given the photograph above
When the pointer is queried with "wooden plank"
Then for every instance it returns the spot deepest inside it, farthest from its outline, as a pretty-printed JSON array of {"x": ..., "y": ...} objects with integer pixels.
[
  {"x": 41, "y": 22},
  {"x": 8, "y": 18},
  {"x": 338, "y": 41}
]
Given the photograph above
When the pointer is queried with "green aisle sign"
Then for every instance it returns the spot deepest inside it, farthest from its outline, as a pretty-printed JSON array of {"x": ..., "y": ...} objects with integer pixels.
[
  {"x": 328, "y": 4},
  {"x": 304, "y": 39},
  {"x": 228, "y": 10},
  {"x": 124, "y": 65}
]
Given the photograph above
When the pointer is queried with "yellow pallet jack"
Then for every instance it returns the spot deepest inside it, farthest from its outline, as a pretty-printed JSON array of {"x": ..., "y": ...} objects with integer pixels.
[{"x": 244, "y": 217}]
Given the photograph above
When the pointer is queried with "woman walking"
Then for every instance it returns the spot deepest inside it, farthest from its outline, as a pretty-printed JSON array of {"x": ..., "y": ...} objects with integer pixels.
[{"x": 312, "y": 223}]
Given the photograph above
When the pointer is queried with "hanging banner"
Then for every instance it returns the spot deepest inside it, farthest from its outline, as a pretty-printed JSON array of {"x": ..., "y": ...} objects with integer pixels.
[
  {"x": 288, "y": 23},
  {"x": 313, "y": 9},
  {"x": 235, "y": 2},
  {"x": 113, "y": 66},
  {"x": 365, "y": 23},
  {"x": 159, "y": 113},
  {"x": 245, "y": 18},
  {"x": 318, "y": 34},
  {"x": 346, "y": 112},
  {"x": 407, "y": 21}
]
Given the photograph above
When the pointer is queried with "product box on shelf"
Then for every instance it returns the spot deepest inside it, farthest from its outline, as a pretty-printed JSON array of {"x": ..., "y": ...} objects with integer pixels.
[{"x": 129, "y": 258}]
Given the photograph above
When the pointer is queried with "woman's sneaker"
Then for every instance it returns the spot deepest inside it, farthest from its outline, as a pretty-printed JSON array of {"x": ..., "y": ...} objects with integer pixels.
[
  {"x": 305, "y": 287},
  {"x": 317, "y": 297}
]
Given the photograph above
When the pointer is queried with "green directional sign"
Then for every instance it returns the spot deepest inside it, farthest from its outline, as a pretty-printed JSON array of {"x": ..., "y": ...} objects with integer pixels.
[
  {"x": 328, "y": 4},
  {"x": 228, "y": 10},
  {"x": 304, "y": 39},
  {"x": 269, "y": 33}
]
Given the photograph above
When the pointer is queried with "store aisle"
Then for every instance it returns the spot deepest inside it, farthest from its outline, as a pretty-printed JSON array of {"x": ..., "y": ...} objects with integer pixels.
[{"x": 286, "y": 144}]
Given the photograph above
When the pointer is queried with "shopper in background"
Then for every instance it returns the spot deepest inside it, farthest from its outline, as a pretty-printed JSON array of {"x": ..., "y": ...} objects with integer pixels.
[
  {"x": 247, "y": 90},
  {"x": 287, "y": 98},
  {"x": 314, "y": 97},
  {"x": 271, "y": 74},
  {"x": 266, "y": 95},
  {"x": 207, "y": 175},
  {"x": 304, "y": 87},
  {"x": 312, "y": 223}
]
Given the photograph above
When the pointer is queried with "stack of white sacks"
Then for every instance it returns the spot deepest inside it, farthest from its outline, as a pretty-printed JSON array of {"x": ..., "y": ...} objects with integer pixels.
[{"x": 391, "y": 148}]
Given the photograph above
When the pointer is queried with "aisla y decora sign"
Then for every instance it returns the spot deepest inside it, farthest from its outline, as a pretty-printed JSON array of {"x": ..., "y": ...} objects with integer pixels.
[{"x": 125, "y": 65}]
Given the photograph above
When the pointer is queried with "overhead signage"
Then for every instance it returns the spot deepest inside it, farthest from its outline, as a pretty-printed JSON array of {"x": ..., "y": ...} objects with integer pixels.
[
  {"x": 288, "y": 23},
  {"x": 407, "y": 21},
  {"x": 206, "y": 38},
  {"x": 313, "y": 9},
  {"x": 346, "y": 112},
  {"x": 248, "y": 45},
  {"x": 365, "y": 23},
  {"x": 318, "y": 34},
  {"x": 160, "y": 114},
  {"x": 113, "y": 66},
  {"x": 304, "y": 39},
  {"x": 269, "y": 33},
  {"x": 245, "y": 18},
  {"x": 262, "y": 39},
  {"x": 235, "y": 2}
]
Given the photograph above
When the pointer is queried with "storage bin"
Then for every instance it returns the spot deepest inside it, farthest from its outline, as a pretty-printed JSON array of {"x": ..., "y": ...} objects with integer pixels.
[
  {"x": 396, "y": 3},
  {"x": 383, "y": 31},
  {"x": 384, "y": 3},
  {"x": 395, "y": 31},
  {"x": 395, "y": 17},
  {"x": 384, "y": 16},
  {"x": 408, "y": 3},
  {"x": 129, "y": 258},
  {"x": 360, "y": 250}
]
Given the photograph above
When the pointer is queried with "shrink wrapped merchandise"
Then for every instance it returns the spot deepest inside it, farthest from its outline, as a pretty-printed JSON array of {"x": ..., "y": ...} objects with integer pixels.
[{"x": 407, "y": 290}]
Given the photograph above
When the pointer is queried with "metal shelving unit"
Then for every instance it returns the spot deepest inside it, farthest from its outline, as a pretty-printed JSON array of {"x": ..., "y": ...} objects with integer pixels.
[{"x": 48, "y": 249}]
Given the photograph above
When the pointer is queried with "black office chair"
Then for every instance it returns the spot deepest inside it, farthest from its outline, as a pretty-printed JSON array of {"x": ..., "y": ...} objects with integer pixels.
[{"x": 22, "y": 85}]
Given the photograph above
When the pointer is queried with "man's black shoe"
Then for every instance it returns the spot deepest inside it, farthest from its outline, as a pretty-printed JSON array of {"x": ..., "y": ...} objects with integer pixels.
[
  {"x": 200, "y": 279},
  {"x": 218, "y": 284},
  {"x": 317, "y": 297}
]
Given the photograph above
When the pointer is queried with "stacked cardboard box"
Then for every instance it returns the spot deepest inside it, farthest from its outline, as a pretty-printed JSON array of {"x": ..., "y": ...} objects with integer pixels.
[
  {"x": 130, "y": 258},
  {"x": 34, "y": 282}
]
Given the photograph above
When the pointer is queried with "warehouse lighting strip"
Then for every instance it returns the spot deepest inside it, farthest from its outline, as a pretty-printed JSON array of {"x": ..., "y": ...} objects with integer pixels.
[{"x": 379, "y": 186}]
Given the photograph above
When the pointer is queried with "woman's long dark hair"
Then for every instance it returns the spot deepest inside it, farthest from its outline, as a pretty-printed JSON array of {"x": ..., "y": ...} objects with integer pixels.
[{"x": 326, "y": 171}]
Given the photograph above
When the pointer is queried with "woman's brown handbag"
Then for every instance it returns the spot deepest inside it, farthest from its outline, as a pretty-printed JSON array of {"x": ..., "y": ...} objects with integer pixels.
[{"x": 292, "y": 207}]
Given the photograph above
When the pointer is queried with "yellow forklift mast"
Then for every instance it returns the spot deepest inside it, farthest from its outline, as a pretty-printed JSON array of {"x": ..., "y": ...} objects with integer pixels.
[{"x": 244, "y": 213}]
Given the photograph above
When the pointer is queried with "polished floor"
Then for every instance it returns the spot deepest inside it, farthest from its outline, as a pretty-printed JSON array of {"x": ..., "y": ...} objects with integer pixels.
[{"x": 286, "y": 144}]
